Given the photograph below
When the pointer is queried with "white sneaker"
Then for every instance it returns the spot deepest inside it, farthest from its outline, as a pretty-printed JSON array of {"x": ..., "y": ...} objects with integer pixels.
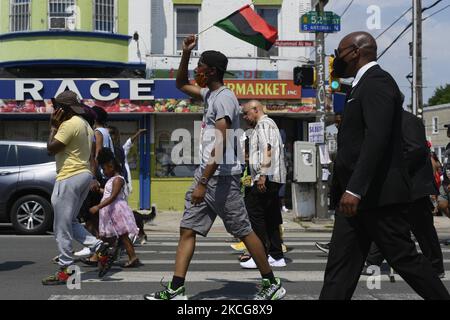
[
  {"x": 277, "y": 263},
  {"x": 249, "y": 264},
  {"x": 284, "y": 209},
  {"x": 83, "y": 253}
]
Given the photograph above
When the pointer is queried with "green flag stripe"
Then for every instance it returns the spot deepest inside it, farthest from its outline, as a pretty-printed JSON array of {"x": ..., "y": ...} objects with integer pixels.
[{"x": 254, "y": 37}]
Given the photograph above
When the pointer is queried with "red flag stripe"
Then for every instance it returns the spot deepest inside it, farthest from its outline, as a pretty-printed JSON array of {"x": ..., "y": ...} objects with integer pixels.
[{"x": 259, "y": 24}]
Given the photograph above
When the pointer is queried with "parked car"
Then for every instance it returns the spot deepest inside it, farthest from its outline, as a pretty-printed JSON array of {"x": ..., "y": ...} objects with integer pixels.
[{"x": 27, "y": 176}]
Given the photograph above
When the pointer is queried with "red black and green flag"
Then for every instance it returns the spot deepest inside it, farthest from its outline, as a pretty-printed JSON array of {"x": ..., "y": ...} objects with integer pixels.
[{"x": 247, "y": 25}]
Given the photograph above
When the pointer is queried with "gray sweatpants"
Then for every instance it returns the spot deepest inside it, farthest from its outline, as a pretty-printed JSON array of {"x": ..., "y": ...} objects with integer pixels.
[{"x": 67, "y": 198}]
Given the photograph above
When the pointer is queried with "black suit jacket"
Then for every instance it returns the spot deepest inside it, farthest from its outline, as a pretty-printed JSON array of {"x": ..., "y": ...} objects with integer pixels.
[
  {"x": 417, "y": 157},
  {"x": 370, "y": 160}
]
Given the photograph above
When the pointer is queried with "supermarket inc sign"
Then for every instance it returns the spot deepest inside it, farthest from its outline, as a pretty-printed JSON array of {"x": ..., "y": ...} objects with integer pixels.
[{"x": 265, "y": 89}]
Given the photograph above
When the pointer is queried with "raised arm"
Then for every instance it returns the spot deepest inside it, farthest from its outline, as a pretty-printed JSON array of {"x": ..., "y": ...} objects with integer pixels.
[
  {"x": 137, "y": 134},
  {"x": 182, "y": 75}
]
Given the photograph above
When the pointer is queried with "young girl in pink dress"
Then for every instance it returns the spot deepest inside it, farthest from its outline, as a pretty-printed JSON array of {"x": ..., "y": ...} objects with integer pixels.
[{"x": 116, "y": 219}]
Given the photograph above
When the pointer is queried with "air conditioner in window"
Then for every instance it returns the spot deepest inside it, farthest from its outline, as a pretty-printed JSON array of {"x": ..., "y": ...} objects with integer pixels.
[
  {"x": 62, "y": 23},
  {"x": 57, "y": 23}
]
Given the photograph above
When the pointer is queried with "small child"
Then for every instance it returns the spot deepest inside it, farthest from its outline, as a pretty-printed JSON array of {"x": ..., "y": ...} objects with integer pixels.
[{"x": 116, "y": 218}]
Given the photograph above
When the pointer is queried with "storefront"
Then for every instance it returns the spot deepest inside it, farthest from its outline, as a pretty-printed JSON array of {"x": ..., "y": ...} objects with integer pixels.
[{"x": 158, "y": 106}]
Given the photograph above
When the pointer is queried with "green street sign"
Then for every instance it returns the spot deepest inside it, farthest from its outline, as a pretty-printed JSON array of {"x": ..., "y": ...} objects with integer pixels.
[{"x": 328, "y": 21}]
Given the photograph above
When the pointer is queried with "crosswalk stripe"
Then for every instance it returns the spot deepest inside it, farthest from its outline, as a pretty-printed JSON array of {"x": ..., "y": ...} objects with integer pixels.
[
  {"x": 221, "y": 244},
  {"x": 292, "y": 251},
  {"x": 215, "y": 276},
  {"x": 212, "y": 262},
  {"x": 222, "y": 251}
]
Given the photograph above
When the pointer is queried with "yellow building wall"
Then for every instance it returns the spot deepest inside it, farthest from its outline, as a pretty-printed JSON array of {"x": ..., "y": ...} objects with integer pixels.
[{"x": 168, "y": 193}]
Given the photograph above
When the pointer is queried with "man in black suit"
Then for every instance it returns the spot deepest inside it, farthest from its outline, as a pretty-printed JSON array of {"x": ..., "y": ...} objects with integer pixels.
[
  {"x": 371, "y": 179},
  {"x": 420, "y": 216}
]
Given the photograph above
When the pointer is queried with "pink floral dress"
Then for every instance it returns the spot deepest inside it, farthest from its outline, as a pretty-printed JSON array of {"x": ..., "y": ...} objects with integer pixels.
[{"x": 117, "y": 218}]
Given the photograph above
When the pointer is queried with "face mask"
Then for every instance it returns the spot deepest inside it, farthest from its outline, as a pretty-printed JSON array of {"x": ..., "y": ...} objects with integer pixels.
[
  {"x": 201, "y": 79},
  {"x": 340, "y": 66}
]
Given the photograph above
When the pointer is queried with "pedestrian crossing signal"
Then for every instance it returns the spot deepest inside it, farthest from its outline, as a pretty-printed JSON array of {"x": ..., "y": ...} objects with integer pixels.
[{"x": 304, "y": 76}]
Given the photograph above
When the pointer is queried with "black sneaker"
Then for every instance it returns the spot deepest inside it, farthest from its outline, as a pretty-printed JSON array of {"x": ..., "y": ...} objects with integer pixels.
[
  {"x": 324, "y": 247},
  {"x": 105, "y": 259}
]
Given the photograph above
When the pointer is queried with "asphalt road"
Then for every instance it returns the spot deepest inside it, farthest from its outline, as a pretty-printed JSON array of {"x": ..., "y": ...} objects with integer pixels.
[{"x": 214, "y": 273}]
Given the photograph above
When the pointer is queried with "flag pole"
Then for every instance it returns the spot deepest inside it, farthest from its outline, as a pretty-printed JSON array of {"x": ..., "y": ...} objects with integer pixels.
[{"x": 196, "y": 36}]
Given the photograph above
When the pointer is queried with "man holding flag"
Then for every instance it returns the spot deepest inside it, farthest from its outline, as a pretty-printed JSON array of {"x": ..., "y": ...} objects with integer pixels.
[{"x": 216, "y": 188}]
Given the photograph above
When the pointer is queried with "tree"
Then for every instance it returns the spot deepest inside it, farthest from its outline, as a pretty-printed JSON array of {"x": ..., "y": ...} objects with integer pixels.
[{"x": 441, "y": 96}]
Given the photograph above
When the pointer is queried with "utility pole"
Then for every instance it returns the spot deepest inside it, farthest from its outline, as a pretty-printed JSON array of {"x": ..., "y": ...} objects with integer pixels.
[
  {"x": 322, "y": 188},
  {"x": 417, "y": 97}
]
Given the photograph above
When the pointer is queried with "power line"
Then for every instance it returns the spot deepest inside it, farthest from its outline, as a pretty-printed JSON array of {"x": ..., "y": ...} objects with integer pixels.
[
  {"x": 407, "y": 27},
  {"x": 342, "y": 14},
  {"x": 436, "y": 12},
  {"x": 433, "y": 5},
  {"x": 404, "y": 13},
  {"x": 395, "y": 40},
  {"x": 346, "y": 9}
]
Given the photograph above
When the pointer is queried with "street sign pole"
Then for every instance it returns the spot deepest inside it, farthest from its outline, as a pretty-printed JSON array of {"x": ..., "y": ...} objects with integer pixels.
[{"x": 322, "y": 188}]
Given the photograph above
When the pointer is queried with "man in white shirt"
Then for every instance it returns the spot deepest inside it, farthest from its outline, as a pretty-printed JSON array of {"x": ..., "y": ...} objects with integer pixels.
[{"x": 268, "y": 172}]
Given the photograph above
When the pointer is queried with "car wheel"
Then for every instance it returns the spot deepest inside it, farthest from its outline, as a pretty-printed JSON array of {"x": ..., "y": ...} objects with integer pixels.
[{"x": 32, "y": 214}]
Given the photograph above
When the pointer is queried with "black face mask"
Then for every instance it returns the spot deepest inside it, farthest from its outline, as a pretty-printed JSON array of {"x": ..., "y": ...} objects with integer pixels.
[{"x": 340, "y": 66}]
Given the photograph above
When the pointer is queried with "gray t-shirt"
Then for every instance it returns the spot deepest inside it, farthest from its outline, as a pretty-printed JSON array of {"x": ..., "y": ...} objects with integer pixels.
[{"x": 219, "y": 104}]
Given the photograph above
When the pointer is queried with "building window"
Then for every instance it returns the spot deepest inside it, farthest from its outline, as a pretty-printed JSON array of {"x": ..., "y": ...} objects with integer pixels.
[
  {"x": 271, "y": 16},
  {"x": 105, "y": 16},
  {"x": 186, "y": 24},
  {"x": 20, "y": 15},
  {"x": 435, "y": 129},
  {"x": 61, "y": 14}
]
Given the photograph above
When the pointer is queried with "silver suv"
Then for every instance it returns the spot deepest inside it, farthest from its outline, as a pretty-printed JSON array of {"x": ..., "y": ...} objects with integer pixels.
[{"x": 27, "y": 176}]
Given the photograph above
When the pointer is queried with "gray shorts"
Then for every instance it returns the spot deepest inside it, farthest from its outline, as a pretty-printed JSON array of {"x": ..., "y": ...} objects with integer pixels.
[{"x": 223, "y": 198}]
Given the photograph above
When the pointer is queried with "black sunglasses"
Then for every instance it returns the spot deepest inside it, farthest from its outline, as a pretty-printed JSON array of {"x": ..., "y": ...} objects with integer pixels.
[{"x": 336, "y": 51}]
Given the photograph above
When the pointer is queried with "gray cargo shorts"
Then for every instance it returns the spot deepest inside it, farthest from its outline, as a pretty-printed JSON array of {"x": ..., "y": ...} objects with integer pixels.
[{"x": 223, "y": 198}]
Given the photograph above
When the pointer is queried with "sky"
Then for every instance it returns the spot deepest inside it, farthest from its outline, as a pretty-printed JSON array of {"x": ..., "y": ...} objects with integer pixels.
[{"x": 436, "y": 39}]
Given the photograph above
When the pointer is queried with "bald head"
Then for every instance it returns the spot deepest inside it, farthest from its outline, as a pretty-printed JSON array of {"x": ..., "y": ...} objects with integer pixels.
[
  {"x": 253, "y": 111},
  {"x": 364, "y": 41},
  {"x": 254, "y": 104}
]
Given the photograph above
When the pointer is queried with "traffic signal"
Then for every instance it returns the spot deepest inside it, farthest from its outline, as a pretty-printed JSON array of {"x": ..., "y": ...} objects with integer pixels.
[
  {"x": 333, "y": 82},
  {"x": 304, "y": 76},
  {"x": 420, "y": 113}
]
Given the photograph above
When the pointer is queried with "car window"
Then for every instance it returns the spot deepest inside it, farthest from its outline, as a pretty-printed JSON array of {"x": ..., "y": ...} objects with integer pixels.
[
  {"x": 29, "y": 155},
  {"x": 7, "y": 156}
]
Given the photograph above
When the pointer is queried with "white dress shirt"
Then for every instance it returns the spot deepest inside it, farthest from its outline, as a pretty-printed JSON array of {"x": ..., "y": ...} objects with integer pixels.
[{"x": 361, "y": 72}]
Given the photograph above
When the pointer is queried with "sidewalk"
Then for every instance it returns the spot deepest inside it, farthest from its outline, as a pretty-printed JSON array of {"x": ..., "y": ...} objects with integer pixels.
[{"x": 169, "y": 222}]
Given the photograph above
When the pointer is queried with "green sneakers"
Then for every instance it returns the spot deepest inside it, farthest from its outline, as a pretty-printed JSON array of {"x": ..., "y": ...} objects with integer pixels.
[
  {"x": 268, "y": 292},
  {"x": 271, "y": 291},
  {"x": 167, "y": 294}
]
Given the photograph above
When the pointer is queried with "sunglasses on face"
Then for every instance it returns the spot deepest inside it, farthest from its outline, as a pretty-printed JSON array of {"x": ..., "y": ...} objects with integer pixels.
[{"x": 337, "y": 52}]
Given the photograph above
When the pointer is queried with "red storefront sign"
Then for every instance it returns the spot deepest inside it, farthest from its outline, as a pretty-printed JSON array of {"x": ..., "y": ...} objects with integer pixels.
[{"x": 265, "y": 89}]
